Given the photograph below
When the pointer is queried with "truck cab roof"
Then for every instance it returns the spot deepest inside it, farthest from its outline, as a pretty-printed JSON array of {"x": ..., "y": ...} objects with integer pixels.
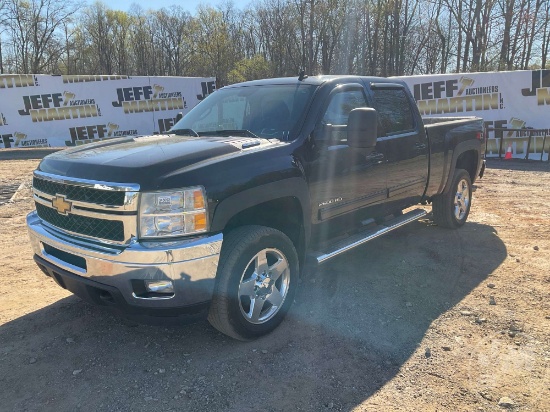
[{"x": 314, "y": 80}]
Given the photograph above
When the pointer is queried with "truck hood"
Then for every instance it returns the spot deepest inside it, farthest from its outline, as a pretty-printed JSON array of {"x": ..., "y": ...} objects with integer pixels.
[{"x": 143, "y": 160}]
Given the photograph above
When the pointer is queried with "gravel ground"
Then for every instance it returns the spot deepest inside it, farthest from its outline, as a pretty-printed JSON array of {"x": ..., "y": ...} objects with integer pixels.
[{"x": 422, "y": 319}]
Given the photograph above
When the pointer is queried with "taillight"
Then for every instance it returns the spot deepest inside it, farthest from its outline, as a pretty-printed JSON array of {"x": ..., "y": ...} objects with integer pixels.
[{"x": 479, "y": 135}]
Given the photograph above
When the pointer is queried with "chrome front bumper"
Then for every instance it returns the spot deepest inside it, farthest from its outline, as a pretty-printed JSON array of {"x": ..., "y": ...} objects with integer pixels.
[{"x": 190, "y": 264}]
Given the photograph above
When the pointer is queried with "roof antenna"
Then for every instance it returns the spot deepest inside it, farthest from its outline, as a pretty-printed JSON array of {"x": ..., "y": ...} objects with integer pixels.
[{"x": 302, "y": 75}]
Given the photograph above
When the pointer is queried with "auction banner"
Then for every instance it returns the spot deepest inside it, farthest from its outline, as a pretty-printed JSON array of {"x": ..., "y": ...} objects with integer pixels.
[
  {"x": 505, "y": 100},
  {"x": 64, "y": 111}
]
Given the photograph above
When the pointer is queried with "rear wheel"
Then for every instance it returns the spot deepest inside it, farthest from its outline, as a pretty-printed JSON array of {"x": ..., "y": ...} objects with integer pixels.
[
  {"x": 451, "y": 209},
  {"x": 256, "y": 280}
]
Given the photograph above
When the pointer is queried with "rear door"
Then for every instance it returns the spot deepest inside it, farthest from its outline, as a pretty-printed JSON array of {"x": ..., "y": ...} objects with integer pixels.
[{"x": 404, "y": 142}]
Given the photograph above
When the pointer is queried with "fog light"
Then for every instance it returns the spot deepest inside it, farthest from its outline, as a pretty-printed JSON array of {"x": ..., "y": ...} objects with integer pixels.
[{"x": 159, "y": 286}]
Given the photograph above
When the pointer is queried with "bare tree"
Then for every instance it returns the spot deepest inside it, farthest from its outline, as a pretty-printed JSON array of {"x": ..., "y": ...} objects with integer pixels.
[
  {"x": 35, "y": 27},
  {"x": 214, "y": 51},
  {"x": 174, "y": 40},
  {"x": 545, "y": 42},
  {"x": 3, "y": 19},
  {"x": 98, "y": 25}
]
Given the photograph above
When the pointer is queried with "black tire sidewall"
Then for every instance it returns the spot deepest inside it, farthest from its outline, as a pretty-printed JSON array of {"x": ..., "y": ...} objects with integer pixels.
[{"x": 235, "y": 266}]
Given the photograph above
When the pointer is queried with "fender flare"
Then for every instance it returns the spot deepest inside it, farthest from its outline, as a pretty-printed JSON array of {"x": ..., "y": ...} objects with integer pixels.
[
  {"x": 460, "y": 148},
  {"x": 292, "y": 187}
]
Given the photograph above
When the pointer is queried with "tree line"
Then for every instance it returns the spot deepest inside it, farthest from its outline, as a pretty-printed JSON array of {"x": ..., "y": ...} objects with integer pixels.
[{"x": 271, "y": 38}]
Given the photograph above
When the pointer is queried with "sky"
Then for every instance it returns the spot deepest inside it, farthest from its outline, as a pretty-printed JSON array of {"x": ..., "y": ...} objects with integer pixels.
[{"x": 189, "y": 5}]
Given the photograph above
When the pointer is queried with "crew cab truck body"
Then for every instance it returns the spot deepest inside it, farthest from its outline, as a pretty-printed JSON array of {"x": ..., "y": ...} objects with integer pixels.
[{"x": 259, "y": 181}]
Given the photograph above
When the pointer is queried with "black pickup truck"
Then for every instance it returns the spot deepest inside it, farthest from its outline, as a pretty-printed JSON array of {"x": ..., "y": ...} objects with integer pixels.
[{"x": 258, "y": 183}]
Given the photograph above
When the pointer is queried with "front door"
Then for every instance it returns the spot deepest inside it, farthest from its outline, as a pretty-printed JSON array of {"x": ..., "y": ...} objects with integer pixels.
[{"x": 343, "y": 179}]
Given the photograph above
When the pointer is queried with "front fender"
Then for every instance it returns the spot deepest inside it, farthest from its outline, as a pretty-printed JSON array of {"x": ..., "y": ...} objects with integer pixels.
[{"x": 292, "y": 187}]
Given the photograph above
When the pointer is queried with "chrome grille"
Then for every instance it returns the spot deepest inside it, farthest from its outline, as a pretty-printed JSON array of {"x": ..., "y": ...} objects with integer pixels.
[
  {"x": 100, "y": 211},
  {"x": 87, "y": 226},
  {"x": 84, "y": 194}
]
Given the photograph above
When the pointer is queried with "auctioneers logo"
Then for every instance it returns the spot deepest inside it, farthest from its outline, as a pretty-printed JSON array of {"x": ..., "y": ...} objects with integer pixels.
[
  {"x": 515, "y": 123},
  {"x": 148, "y": 99},
  {"x": 516, "y": 133},
  {"x": 58, "y": 106},
  {"x": 540, "y": 87},
  {"x": 21, "y": 140},
  {"x": 500, "y": 128},
  {"x": 94, "y": 133},
  {"x": 456, "y": 96},
  {"x": 114, "y": 132}
]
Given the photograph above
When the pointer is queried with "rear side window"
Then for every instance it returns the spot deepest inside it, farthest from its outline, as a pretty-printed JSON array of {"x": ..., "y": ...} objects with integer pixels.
[{"x": 394, "y": 111}]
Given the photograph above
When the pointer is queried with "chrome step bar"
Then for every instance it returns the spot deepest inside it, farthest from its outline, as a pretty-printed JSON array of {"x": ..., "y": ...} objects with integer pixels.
[{"x": 368, "y": 235}]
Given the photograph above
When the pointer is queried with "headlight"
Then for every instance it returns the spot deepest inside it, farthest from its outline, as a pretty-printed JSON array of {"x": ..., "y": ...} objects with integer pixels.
[{"x": 172, "y": 213}]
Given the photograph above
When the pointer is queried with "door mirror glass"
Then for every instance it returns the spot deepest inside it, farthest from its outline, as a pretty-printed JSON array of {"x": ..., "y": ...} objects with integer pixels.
[{"x": 363, "y": 128}]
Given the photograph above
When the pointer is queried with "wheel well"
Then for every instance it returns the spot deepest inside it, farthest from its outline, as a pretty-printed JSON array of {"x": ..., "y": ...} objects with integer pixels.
[
  {"x": 468, "y": 162},
  {"x": 283, "y": 214}
]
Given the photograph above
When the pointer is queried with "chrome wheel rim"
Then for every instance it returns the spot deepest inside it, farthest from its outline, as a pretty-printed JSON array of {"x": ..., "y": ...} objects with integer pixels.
[
  {"x": 462, "y": 199},
  {"x": 264, "y": 286}
]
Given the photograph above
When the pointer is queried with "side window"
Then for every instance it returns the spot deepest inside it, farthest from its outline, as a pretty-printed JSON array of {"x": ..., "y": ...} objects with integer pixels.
[
  {"x": 341, "y": 104},
  {"x": 335, "y": 118},
  {"x": 394, "y": 111}
]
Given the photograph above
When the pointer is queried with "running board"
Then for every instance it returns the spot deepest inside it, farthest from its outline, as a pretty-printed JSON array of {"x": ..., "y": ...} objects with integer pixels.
[{"x": 368, "y": 235}]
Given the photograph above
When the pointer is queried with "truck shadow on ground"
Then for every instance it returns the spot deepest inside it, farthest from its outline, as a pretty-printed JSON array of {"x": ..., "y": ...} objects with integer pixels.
[{"x": 353, "y": 325}]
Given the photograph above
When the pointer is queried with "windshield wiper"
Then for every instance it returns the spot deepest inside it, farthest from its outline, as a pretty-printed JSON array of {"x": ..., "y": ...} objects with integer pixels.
[
  {"x": 229, "y": 132},
  {"x": 184, "y": 132}
]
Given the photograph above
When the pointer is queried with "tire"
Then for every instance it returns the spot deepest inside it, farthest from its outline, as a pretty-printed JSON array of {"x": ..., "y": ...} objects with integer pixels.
[
  {"x": 451, "y": 209},
  {"x": 255, "y": 283}
]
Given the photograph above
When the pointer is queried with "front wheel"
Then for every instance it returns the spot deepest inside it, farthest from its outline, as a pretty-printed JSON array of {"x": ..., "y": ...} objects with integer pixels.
[
  {"x": 451, "y": 209},
  {"x": 256, "y": 281}
]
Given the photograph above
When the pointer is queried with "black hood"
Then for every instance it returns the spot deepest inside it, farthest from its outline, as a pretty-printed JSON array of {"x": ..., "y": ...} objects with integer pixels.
[{"x": 143, "y": 160}]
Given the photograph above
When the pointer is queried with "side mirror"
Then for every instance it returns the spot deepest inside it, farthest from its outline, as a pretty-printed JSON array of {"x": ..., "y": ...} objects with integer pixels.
[{"x": 363, "y": 128}]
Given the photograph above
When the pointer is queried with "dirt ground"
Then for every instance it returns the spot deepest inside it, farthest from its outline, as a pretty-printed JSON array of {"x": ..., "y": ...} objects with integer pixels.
[{"x": 422, "y": 319}]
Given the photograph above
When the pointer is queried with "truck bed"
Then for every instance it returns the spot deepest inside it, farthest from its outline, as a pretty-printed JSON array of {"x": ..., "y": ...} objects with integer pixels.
[{"x": 445, "y": 135}]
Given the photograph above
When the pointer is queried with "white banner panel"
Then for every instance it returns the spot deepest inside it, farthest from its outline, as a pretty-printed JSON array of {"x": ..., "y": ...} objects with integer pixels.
[
  {"x": 508, "y": 100},
  {"x": 61, "y": 111}
]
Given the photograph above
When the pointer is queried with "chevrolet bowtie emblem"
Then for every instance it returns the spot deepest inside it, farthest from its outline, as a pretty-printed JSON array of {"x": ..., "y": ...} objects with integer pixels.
[{"x": 61, "y": 205}]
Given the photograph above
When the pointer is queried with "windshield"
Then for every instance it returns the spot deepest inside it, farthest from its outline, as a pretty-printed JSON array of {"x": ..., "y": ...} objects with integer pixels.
[{"x": 271, "y": 111}]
